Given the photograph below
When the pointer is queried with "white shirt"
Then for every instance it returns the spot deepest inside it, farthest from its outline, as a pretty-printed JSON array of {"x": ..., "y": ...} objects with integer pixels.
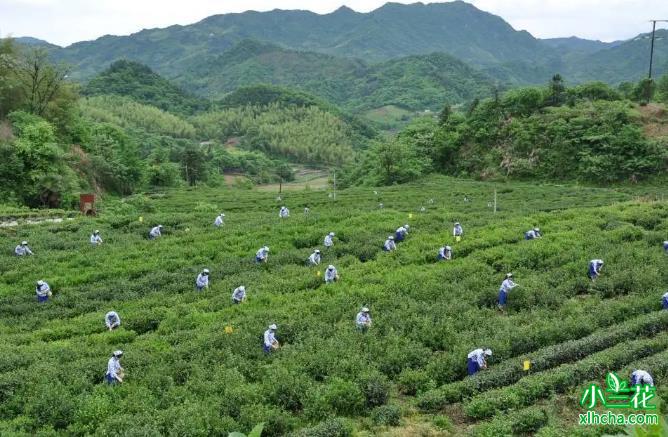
[
  {"x": 363, "y": 319},
  {"x": 665, "y": 295},
  {"x": 202, "y": 280},
  {"x": 95, "y": 239},
  {"x": 596, "y": 264},
  {"x": 42, "y": 290},
  {"x": 155, "y": 232},
  {"x": 111, "y": 318},
  {"x": 402, "y": 230},
  {"x": 642, "y": 377},
  {"x": 269, "y": 338},
  {"x": 113, "y": 367},
  {"x": 447, "y": 254},
  {"x": 22, "y": 250},
  {"x": 328, "y": 241},
  {"x": 390, "y": 245},
  {"x": 457, "y": 230},
  {"x": 330, "y": 275},
  {"x": 508, "y": 285},
  {"x": 238, "y": 294},
  {"x": 219, "y": 221},
  {"x": 531, "y": 234},
  {"x": 478, "y": 355},
  {"x": 314, "y": 259},
  {"x": 262, "y": 253},
  {"x": 284, "y": 212}
]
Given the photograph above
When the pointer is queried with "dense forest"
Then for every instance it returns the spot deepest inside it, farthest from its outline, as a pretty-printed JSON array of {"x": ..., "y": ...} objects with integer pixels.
[
  {"x": 133, "y": 130},
  {"x": 589, "y": 133},
  {"x": 129, "y": 129}
]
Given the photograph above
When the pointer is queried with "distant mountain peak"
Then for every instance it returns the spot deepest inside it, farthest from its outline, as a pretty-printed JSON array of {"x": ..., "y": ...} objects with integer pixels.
[{"x": 344, "y": 10}]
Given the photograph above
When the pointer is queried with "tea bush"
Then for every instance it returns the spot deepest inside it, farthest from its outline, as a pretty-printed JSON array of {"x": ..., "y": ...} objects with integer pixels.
[{"x": 194, "y": 361}]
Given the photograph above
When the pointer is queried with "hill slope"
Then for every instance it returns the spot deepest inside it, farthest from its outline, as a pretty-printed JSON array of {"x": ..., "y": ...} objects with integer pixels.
[
  {"x": 392, "y": 31},
  {"x": 139, "y": 82},
  {"x": 414, "y": 82}
]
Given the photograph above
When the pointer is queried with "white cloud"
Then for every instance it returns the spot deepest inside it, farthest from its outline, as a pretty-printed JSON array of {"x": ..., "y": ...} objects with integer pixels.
[{"x": 66, "y": 21}]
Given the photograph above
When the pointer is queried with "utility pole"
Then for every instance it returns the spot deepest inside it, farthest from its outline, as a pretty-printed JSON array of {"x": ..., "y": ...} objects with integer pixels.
[
  {"x": 335, "y": 184},
  {"x": 651, "y": 50}
]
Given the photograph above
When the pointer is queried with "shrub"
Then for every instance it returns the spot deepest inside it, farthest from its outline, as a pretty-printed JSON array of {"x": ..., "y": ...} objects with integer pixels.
[
  {"x": 375, "y": 388},
  {"x": 389, "y": 415}
]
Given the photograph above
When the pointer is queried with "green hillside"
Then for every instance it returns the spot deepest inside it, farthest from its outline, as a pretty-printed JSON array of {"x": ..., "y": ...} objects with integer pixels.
[
  {"x": 194, "y": 362},
  {"x": 627, "y": 61},
  {"x": 139, "y": 82},
  {"x": 414, "y": 82}
]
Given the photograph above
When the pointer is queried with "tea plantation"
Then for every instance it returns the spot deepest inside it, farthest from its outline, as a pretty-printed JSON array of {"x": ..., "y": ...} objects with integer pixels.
[{"x": 194, "y": 362}]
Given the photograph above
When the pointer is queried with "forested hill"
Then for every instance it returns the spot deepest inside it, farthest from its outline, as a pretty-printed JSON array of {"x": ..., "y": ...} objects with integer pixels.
[
  {"x": 131, "y": 79},
  {"x": 415, "y": 82}
]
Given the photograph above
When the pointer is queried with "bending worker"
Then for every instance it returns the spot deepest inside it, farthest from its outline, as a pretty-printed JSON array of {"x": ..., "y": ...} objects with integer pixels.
[
  {"x": 270, "y": 342},
  {"x": 506, "y": 286},
  {"x": 202, "y": 280},
  {"x": 115, "y": 372},
  {"x": 112, "y": 320},
  {"x": 401, "y": 233},
  {"x": 23, "y": 249},
  {"x": 389, "y": 245},
  {"x": 314, "y": 259},
  {"x": 95, "y": 238},
  {"x": 445, "y": 253},
  {"x": 262, "y": 255},
  {"x": 477, "y": 360},
  {"x": 595, "y": 267},
  {"x": 331, "y": 275},
  {"x": 239, "y": 294},
  {"x": 363, "y": 320}
]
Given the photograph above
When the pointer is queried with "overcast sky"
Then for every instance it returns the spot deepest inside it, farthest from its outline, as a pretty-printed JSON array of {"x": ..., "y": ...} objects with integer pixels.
[{"x": 66, "y": 21}]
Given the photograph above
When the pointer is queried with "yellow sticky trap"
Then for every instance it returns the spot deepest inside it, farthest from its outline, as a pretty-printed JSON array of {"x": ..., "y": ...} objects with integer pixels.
[
  {"x": 527, "y": 365},
  {"x": 410, "y": 215},
  {"x": 228, "y": 330},
  {"x": 458, "y": 238},
  {"x": 318, "y": 273},
  {"x": 187, "y": 229},
  {"x": 141, "y": 219}
]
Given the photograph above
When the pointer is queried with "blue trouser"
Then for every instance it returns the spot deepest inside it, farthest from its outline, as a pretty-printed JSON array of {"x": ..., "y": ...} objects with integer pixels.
[
  {"x": 440, "y": 257},
  {"x": 528, "y": 237},
  {"x": 664, "y": 303},
  {"x": 258, "y": 259},
  {"x": 266, "y": 349},
  {"x": 398, "y": 236},
  {"x": 110, "y": 379},
  {"x": 199, "y": 288},
  {"x": 42, "y": 299},
  {"x": 503, "y": 297},
  {"x": 592, "y": 272},
  {"x": 151, "y": 237},
  {"x": 473, "y": 366}
]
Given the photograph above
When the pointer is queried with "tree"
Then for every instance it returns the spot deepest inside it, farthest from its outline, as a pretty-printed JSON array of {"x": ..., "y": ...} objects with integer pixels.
[
  {"x": 662, "y": 89},
  {"x": 10, "y": 93},
  {"x": 39, "y": 80},
  {"x": 557, "y": 91},
  {"x": 397, "y": 161},
  {"x": 643, "y": 91},
  {"x": 193, "y": 162},
  {"x": 444, "y": 116}
]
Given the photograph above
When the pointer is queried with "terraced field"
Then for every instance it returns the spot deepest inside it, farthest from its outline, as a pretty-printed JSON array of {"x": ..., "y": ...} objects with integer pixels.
[{"x": 186, "y": 374}]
